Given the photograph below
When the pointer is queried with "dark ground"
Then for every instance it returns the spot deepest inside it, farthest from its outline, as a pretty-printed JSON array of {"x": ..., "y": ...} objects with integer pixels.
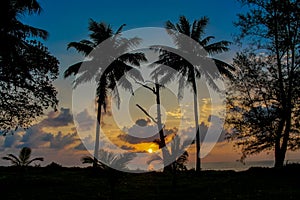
[{"x": 77, "y": 183}]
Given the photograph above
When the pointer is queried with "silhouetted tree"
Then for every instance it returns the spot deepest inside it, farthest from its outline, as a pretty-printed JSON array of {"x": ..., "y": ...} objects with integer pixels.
[
  {"x": 27, "y": 69},
  {"x": 113, "y": 75},
  {"x": 190, "y": 73},
  {"x": 264, "y": 97},
  {"x": 160, "y": 126},
  {"x": 23, "y": 160}
]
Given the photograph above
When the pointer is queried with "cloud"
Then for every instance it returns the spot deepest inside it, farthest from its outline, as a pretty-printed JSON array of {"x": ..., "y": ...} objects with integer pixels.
[
  {"x": 85, "y": 121},
  {"x": 57, "y": 119},
  {"x": 87, "y": 143},
  {"x": 37, "y": 136},
  {"x": 142, "y": 132}
]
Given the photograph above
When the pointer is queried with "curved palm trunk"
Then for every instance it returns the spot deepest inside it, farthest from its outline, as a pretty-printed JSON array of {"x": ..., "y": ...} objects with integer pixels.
[
  {"x": 97, "y": 140},
  {"x": 198, "y": 160}
]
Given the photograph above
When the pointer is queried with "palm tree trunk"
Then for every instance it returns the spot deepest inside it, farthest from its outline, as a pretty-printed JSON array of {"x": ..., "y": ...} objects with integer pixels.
[
  {"x": 198, "y": 160},
  {"x": 97, "y": 140}
]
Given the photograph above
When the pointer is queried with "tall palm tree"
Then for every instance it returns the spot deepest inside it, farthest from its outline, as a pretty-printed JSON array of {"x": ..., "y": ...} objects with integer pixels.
[
  {"x": 189, "y": 73},
  {"x": 23, "y": 160},
  {"x": 108, "y": 77}
]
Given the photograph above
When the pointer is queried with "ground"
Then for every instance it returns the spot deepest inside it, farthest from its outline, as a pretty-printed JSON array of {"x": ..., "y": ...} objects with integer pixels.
[{"x": 86, "y": 183}]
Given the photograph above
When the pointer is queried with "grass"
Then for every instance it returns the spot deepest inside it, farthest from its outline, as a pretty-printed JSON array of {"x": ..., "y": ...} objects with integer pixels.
[{"x": 86, "y": 183}]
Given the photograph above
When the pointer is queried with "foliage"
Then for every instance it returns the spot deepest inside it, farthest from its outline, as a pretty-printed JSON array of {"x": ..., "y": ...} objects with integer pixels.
[
  {"x": 23, "y": 160},
  {"x": 110, "y": 66},
  {"x": 108, "y": 160},
  {"x": 27, "y": 69},
  {"x": 189, "y": 72},
  {"x": 263, "y": 98}
]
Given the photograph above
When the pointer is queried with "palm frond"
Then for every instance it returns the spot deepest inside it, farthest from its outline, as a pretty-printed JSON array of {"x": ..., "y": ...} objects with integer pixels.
[
  {"x": 82, "y": 47},
  {"x": 25, "y": 154},
  {"x": 72, "y": 70},
  {"x": 218, "y": 47},
  {"x": 35, "y": 159},
  {"x": 15, "y": 161},
  {"x": 199, "y": 28}
]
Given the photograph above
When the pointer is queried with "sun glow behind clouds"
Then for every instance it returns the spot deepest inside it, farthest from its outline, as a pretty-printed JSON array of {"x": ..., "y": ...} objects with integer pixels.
[{"x": 150, "y": 150}]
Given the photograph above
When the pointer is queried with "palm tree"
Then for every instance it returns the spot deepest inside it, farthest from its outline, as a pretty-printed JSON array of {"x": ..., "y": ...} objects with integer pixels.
[
  {"x": 109, "y": 160},
  {"x": 190, "y": 73},
  {"x": 114, "y": 74},
  {"x": 23, "y": 160}
]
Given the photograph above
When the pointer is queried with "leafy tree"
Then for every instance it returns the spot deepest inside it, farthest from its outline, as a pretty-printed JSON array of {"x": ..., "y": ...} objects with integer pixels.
[
  {"x": 115, "y": 74},
  {"x": 189, "y": 73},
  {"x": 27, "y": 69},
  {"x": 264, "y": 96},
  {"x": 23, "y": 160}
]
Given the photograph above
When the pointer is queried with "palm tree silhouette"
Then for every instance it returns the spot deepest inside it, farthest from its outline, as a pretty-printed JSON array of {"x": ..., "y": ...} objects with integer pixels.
[
  {"x": 110, "y": 160},
  {"x": 23, "y": 160},
  {"x": 114, "y": 74},
  {"x": 190, "y": 73}
]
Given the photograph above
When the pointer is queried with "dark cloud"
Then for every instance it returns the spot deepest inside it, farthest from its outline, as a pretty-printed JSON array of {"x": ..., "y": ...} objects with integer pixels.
[
  {"x": 63, "y": 118},
  {"x": 125, "y": 147},
  {"x": 11, "y": 140},
  {"x": 142, "y": 131},
  {"x": 142, "y": 122}
]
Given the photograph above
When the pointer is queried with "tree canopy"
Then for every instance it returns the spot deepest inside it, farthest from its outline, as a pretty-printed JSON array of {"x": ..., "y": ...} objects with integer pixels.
[
  {"x": 264, "y": 96},
  {"x": 27, "y": 69}
]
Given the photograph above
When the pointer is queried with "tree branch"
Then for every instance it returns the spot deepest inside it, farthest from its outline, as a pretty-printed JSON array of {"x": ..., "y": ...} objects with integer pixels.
[
  {"x": 147, "y": 87},
  {"x": 146, "y": 113}
]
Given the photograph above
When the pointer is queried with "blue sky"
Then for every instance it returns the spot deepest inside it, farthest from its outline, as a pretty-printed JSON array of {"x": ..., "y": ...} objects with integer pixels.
[{"x": 67, "y": 21}]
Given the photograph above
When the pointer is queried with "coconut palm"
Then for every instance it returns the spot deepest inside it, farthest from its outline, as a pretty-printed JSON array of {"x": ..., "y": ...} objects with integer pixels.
[
  {"x": 23, "y": 160},
  {"x": 108, "y": 160},
  {"x": 108, "y": 77},
  {"x": 190, "y": 73}
]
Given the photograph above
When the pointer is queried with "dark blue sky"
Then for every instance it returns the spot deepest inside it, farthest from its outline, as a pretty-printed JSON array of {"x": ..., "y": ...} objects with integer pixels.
[{"x": 67, "y": 21}]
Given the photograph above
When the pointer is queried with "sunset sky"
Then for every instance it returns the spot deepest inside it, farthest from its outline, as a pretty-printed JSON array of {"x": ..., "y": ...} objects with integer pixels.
[{"x": 55, "y": 137}]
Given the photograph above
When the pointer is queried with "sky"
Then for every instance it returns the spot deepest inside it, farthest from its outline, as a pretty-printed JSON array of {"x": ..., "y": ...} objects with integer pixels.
[{"x": 56, "y": 138}]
